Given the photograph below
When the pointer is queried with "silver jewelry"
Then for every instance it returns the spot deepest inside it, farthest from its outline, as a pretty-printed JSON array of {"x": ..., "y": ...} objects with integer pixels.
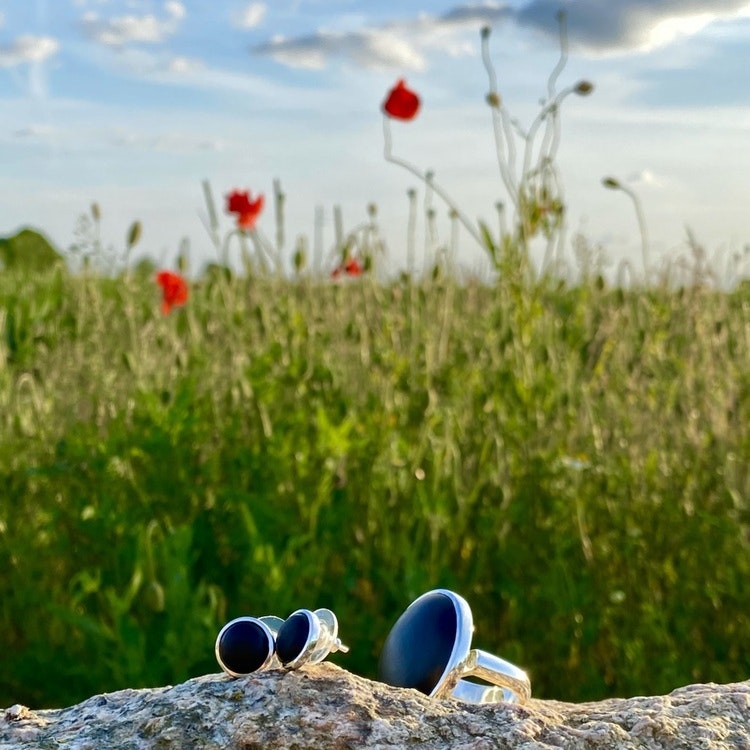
[
  {"x": 429, "y": 648},
  {"x": 308, "y": 637},
  {"x": 247, "y": 644}
]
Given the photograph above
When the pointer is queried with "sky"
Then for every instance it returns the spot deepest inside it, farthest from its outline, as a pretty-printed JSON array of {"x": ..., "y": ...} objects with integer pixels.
[{"x": 133, "y": 104}]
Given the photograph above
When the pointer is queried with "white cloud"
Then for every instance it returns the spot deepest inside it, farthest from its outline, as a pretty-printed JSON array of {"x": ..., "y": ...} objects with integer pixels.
[
  {"x": 647, "y": 178},
  {"x": 118, "y": 31},
  {"x": 34, "y": 131},
  {"x": 175, "y": 9},
  {"x": 168, "y": 143},
  {"x": 26, "y": 49},
  {"x": 251, "y": 16},
  {"x": 593, "y": 26},
  {"x": 184, "y": 65},
  {"x": 375, "y": 49},
  {"x": 398, "y": 45}
]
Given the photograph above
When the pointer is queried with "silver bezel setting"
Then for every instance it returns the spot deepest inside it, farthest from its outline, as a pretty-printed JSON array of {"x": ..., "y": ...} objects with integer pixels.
[
  {"x": 322, "y": 638},
  {"x": 269, "y": 627}
]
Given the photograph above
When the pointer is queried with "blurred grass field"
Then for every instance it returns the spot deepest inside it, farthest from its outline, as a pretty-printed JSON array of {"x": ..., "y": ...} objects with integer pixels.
[{"x": 573, "y": 459}]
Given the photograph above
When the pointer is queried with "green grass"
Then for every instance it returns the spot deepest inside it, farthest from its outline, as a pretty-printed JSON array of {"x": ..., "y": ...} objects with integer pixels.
[{"x": 573, "y": 460}]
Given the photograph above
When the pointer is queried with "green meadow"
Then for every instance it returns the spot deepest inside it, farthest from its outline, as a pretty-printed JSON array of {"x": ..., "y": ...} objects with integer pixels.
[{"x": 572, "y": 458}]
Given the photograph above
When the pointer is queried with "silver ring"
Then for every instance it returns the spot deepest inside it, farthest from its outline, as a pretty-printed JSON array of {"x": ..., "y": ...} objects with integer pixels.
[
  {"x": 307, "y": 637},
  {"x": 429, "y": 648},
  {"x": 248, "y": 644}
]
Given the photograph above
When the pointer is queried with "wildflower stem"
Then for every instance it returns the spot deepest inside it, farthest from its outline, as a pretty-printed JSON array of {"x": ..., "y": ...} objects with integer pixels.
[
  {"x": 387, "y": 153},
  {"x": 551, "y": 138},
  {"x": 551, "y": 108},
  {"x": 262, "y": 247},
  {"x": 612, "y": 184},
  {"x": 279, "y": 198},
  {"x": 411, "y": 231},
  {"x": 501, "y": 126},
  {"x": 213, "y": 220},
  {"x": 562, "y": 60}
]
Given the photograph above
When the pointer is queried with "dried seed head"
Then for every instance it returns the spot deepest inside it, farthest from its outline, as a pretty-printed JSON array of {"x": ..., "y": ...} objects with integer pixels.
[
  {"x": 584, "y": 88},
  {"x": 493, "y": 99},
  {"x": 485, "y": 32},
  {"x": 134, "y": 234},
  {"x": 300, "y": 258},
  {"x": 611, "y": 183}
]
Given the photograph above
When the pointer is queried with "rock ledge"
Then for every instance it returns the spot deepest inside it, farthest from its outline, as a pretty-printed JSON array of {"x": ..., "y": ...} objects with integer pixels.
[{"x": 325, "y": 706}]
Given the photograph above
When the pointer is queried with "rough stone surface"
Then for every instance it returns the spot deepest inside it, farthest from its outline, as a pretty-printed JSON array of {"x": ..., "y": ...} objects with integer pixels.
[{"x": 324, "y": 706}]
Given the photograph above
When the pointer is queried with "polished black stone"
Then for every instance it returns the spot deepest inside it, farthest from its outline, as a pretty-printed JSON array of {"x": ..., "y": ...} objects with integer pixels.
[
  {"x": 292, "y": 637},
  {"x": 243, "y": 647},
  {"x": 418, "y": 648}
]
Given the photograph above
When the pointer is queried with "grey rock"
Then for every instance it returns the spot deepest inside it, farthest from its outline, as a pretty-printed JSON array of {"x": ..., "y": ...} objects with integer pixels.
[{"x": 324, "y": 706}]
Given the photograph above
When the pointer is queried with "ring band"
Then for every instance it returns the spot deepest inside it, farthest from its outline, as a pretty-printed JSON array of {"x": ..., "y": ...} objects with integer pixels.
[{"x": 508, "y": 682}]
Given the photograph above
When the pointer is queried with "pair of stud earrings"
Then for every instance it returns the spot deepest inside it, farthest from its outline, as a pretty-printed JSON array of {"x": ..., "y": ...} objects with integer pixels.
[{"x": 250, "y": 644}]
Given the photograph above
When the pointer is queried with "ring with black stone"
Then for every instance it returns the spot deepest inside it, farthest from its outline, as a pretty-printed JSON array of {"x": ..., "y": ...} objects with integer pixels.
[{"x": 429, "y": 649}]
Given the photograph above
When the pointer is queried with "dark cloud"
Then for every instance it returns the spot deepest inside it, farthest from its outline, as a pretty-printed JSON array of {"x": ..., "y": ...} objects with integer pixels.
[{"x": 626, "y": 25}]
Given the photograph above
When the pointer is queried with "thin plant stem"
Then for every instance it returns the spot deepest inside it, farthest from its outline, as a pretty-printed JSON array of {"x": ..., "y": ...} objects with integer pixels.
[
  {"x": 551, "y": 133},
  {"x": 213, "y": 220},
  {"x": 562, "y": 60},
  {"x": 338, "y": 227},
  {"x": 387, "y": 153},
  {"x": 411, "y": 231},
  {"x": 501, "y": 127},
  {"x": 278, "y": 202}
]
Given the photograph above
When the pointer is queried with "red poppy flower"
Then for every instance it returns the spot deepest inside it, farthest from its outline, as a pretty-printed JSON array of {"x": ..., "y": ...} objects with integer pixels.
[
  {"x": 174, "y": 290},
  {"x": 401, "y": 103},
  {"x": 352, "y": 267},
  {"x": 238, "y": 202}
]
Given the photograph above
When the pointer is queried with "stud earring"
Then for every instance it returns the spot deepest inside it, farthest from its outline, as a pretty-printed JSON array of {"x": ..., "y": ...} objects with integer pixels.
[
  {"x": 247, "y": 644},
  {"x": 308, "y": 637}
]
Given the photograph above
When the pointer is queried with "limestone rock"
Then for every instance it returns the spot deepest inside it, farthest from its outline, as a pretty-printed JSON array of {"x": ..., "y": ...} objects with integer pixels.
[{"x": 324, "y": 706}]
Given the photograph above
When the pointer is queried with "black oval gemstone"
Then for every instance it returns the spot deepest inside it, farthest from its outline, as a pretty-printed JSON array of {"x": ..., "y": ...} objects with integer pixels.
[
  {"x": 417, "y": 650},
  {"x": 243, "y": 647},
  {"x": 292, "y": 637}
]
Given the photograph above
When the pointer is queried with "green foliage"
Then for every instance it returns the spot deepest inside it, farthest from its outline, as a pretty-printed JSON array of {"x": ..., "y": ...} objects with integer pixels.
[
  {"x": 28, "y": 251},
  {"x": 572, "y": 460}
]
